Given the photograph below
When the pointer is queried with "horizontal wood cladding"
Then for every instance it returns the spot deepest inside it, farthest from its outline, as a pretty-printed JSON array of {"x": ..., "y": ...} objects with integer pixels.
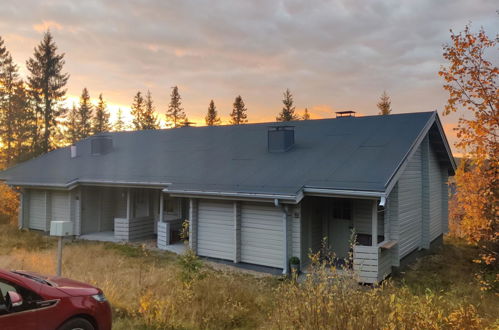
[
  {"x": 371, "y": 264},
  {"x": 262, "y": 234},
  {"x": 133, "y": 229}
]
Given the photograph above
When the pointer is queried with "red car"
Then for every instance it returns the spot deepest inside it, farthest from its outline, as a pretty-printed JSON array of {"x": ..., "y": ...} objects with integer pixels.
[{"x": 32, "y": 301}]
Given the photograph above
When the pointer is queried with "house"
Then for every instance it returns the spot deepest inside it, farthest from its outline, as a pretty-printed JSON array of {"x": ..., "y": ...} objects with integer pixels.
[{"x": 256, "y": 193}]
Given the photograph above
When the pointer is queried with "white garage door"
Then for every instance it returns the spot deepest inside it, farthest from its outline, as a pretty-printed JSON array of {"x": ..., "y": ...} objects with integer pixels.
[
  {"x": 216, "y": 229},
  {"x": 37, "y": 213},
  {"x": 262, "y": 235},
  {"x": 60, "y": 206}
]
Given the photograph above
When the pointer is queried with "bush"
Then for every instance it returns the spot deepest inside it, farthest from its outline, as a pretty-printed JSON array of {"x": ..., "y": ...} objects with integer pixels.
[{"x": 9, "y": 205}]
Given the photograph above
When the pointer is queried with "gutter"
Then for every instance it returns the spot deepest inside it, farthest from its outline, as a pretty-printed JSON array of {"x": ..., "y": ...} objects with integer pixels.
[
  {"x": 273, "y": 197},
  {"x": 74, "y": 183},
  {"x": 343, "y": 193}
]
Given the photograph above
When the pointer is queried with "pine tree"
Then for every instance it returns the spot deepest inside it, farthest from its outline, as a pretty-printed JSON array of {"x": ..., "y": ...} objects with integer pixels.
[
  {"x": 73, "y": 131},
  {"x": 138, "y": 111},
  {"x": 288, "y": 111},
  {"x": 384, "y": 104},
  {"x": 101, "y": 118},
  {"x": 85, "y": 115},
  {"x": 46, "y": 82},
  {"x": 306, "y": 115},
  {"x": 149, "y": 119},
  {"x": 119, "y": 124},
  {"x": 238, "y": 115},
  {"x": 175, "y": 112},
  {"x": 212, "y": 118},
  {"x": 9, "y": 77},
  {"x": 16, "y": 115}
]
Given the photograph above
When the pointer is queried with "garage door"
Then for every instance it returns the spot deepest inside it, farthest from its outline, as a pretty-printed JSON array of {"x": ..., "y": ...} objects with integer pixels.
[
  {"x": 60, "y": 206},
  {"x": 37, "y": 213},
  {"x": 262, "y": 235},
  {"x": 216, "y": 229}
]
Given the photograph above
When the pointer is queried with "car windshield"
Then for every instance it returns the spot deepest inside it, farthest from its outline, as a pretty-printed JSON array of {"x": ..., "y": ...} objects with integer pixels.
[{"x": 35, "y": 278}]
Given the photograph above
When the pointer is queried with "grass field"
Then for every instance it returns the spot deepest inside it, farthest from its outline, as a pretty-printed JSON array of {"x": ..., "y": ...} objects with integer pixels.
[{"x": 158, "y": 290}]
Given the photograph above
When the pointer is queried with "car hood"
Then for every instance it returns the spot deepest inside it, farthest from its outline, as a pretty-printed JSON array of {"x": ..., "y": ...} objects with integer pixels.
[{"x": 66, "y": 285}]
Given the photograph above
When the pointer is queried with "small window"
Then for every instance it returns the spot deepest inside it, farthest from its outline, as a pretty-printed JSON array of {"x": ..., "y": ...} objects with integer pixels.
[{"x": 170, "y": 206}]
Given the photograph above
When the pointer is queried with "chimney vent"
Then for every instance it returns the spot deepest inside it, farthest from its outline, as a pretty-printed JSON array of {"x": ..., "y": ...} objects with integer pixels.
[
  {"x": 280, "y": 138},
  {"x": 101, "y": 145},
  {"x": 349, "y": 113},
  {"x": 73, "y": 151}
]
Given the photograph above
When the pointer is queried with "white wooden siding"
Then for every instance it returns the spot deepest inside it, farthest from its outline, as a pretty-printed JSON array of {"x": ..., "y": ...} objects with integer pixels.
[
  {"x": 37, "y": 210},
  {"x": 215, "y": 229},
  {"x": 445, "y": 200},
  {"x": 362, "y": 217},
  {"x": 409, "y": 206},
  {"x": 435, "y": 180},
  {"x": 371, "y": 264},
  {"x": 262, "y": 234},
  {"x": 60, "y": 206}
]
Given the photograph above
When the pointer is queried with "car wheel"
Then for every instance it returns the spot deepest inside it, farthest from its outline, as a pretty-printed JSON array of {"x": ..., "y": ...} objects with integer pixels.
[{"x": 77, "y": 324}]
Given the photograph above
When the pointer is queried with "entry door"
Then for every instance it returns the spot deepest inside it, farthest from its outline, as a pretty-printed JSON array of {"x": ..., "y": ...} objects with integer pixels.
[{"x": 339, "y": 237}]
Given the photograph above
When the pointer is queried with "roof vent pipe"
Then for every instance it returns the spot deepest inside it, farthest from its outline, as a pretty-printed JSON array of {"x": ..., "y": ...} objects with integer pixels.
[
  {"x": 280, "y": 138},
  {"x": 73, "y": 151}
]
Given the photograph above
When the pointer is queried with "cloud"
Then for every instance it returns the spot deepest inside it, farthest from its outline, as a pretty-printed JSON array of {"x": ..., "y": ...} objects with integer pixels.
[
  {"x": 47, "y": 25},
  {"x": 338, "y": 54}
]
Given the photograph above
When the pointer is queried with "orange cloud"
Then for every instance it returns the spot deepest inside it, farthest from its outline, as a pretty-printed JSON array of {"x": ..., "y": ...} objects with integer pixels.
[{"x": 45, "y": 25}]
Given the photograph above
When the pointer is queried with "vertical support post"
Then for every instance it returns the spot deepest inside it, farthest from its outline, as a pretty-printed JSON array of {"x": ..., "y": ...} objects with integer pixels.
[
  {"x": 59, "y": 256},
  {"x": 128, "y": 204},
  {"x": 237, "y": 232},
  {"x": 161, "y": 203},
  {"x": 374, "y": 231},
  {"x": 193, "y": 224},
  {"x": 285, "y": 220}
]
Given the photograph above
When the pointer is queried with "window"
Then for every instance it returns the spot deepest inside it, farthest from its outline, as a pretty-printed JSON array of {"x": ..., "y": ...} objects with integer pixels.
[
  {"x": 342, "y": 209},
  {"x": 29, "y": 297}
]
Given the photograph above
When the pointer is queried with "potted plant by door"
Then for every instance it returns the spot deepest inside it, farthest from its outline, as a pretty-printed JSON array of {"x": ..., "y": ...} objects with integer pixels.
[{"x": 294, "y": 264}]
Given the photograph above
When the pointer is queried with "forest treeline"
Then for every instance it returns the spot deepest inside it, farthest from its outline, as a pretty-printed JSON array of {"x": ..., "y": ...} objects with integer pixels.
[{"x": 35, "y": 117}]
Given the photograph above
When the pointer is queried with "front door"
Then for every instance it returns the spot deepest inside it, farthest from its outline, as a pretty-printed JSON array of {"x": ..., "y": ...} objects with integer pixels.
[{"x": 339, "y": 237}]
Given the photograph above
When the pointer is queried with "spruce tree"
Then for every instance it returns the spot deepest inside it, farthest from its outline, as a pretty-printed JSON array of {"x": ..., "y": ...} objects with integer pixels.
[
  {"x": 85, "y": 115},
  {"x": 288, "y": 111},
  {"x": 149, "y": 119},
  {"x": 137, "y": 111},
  {"x": 306, "y": 115},
  {"x": 384, "y": 104},
  {"x": 47, "y": 82},
  {"x": 101, "y": 118},
  {"x": 212, "y": 118},
  {"x": 238, "y": 115},
  {"x": 72, "y": 125},
  {"x": 119, "y": 124},
  {"x": 175, "y": 112}
]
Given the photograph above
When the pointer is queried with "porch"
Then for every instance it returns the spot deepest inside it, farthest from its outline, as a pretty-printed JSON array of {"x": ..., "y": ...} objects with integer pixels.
[
  {"x": 116, "y": 214},
  {"x": 352, "y": 228}
]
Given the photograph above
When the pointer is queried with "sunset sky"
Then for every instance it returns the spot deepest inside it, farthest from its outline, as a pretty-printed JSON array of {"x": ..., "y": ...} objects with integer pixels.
[{"x": 332, "y": 55}]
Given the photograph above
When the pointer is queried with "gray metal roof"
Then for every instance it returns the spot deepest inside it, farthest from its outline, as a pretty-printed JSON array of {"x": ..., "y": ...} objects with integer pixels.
[{"x": 352, "y": 153}]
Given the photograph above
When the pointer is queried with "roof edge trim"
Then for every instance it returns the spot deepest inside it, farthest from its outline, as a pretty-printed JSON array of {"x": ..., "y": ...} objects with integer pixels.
[
  {"x": 292, "y": 198},
  {"x": 344, "y": 193}
]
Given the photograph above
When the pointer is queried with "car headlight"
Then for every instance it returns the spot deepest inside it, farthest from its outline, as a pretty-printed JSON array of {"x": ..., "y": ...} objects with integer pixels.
[{"x": 99, "y": 297}]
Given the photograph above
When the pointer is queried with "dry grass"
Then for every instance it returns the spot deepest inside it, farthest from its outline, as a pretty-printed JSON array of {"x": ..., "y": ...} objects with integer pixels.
[{"x": 153, "y": 290}]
